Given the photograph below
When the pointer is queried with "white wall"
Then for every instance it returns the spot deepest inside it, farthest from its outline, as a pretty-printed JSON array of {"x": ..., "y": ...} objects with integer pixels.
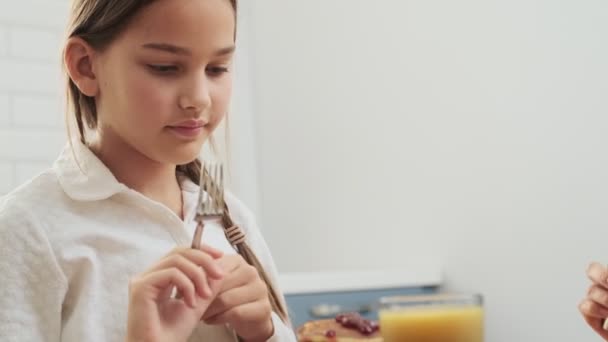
[
  {"x": 31, "y": 117},
  {"x": 472, "y": 131},
  {"x": 242, "y": 134},
  {"x": 32, "y": 104}
]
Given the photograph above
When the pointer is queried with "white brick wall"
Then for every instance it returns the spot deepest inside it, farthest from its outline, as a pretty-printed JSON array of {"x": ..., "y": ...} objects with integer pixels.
[
  {"x": 47, "y": 48},
  {"x": 37, "y": 110},
  {"x": 30, "y": 76},
  {"x": 26, "y": 170},
  {"x": 35, "y": 13},
  {"x": 31, "y": 88},
  {"x": 25, "y": 144}
]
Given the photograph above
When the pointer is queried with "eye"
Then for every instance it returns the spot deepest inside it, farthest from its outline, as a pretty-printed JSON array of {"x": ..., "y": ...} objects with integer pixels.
[
  {"x": 217, "y": 70},
  {"x": 163, "y": 68}
]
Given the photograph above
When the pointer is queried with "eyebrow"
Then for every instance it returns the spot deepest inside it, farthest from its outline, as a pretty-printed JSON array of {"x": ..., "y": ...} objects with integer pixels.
[{"x": 184, "y": 51}]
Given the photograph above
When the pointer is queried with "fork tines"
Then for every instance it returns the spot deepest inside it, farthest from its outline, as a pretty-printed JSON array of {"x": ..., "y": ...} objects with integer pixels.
[{"x": 211, "y": 197}]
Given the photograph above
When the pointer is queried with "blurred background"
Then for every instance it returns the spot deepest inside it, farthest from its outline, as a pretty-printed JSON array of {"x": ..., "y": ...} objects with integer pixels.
[{"x": 464, "y": 136}]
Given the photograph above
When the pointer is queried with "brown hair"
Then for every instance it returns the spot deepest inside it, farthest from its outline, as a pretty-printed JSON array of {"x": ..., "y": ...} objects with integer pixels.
[{"x": 98, "y": 22}]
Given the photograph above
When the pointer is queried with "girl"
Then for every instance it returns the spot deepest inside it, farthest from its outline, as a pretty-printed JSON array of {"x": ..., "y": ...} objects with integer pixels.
[
  {"x": 83, "y": 246},
  {"x": 595, "y": 306}
]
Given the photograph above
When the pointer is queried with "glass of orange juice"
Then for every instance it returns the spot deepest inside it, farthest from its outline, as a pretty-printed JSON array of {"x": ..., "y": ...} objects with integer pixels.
[{"x": 432, "y": 318}]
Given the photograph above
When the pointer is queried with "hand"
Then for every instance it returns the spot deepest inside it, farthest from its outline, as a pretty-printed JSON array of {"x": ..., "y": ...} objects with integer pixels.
[
  {"x": 595, "y": 306},
  {"x": 154, "y": 315},
  {"x": 242, "y": 301}
]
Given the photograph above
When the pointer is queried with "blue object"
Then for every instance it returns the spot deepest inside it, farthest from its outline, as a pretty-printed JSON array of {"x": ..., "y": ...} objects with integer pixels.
[{"x": 305, "y": 307}]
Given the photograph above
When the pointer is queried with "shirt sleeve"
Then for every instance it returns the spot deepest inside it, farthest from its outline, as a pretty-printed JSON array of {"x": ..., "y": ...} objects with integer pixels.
[
  {"x": 282, "y": 332},
  {"x": 32, "y": 285}
]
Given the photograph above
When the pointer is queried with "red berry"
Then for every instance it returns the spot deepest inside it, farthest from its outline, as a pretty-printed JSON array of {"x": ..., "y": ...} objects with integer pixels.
[
  {"x": 330, "y": 333},
  {"x": 342, "y": 319},
  {"x": 366, "y": 330},
  {"x": 357, "y": 322}
]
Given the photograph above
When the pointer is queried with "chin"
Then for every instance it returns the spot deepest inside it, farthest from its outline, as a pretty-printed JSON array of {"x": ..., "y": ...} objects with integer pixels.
[
  {"x": 183, "y": 160},
  {"x": 175, "y": 154},
  {"x": 185, "y": 154}
]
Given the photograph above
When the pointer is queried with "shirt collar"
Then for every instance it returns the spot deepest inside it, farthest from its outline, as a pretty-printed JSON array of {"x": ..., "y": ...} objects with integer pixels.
[{"x": 83, "y": 176}]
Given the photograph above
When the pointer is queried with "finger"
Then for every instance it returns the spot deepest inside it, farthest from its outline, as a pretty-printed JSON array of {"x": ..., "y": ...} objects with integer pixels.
[
  {"x": 253, "y": 311},
  {"x": 239, "y": 273},
  {"x": 236, "y": 297},
  {"x": 598, "y": 294},
  {"x": 598, "y": 273},
  {"x": 169, "y": 277},
  {"x": 199, "y": 258},
  {"x": 596, "y": 324},
  {"x": 589, "y": 308},
  {"x": 215, "y": 253},
  {"x": 230, "y": 262},
  {"x": 167, "y": 293},
  {"x": 189, "y": 268},
  {"x": 206, "y": 261}
]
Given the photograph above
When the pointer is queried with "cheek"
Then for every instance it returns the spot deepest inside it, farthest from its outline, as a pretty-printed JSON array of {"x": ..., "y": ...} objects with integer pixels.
[
  {"x": 149, "y": 99},
  {"x": 221, "y": 96}
]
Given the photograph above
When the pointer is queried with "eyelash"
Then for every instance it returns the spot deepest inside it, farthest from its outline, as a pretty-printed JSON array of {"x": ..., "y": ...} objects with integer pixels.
[
  {"x": 172, "y": 69},
  {"x": 163, "y": 69},
  {"x": 218, "y": 70}
]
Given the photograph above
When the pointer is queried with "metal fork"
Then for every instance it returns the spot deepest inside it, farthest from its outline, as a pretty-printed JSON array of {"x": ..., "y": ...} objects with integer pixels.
[{"x": 210, "y": 199}]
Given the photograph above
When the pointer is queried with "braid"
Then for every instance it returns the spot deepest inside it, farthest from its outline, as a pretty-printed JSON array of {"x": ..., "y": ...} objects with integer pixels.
[
  {"x": 236, "y": 237},
  {"x": 245, "y": 251}
]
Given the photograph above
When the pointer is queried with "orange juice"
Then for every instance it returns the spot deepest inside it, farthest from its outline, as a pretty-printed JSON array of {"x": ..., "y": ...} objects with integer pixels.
[{"x": 432, "y": 319}]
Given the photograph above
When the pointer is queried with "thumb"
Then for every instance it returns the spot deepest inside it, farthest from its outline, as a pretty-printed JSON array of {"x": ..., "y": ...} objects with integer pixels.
[
  {"x": 597, "y": 325},
  {"x": 202, "y": 304}
]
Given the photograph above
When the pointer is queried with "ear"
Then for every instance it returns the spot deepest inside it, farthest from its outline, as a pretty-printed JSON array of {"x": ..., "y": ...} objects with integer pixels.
[{"x": 78, "y": 58}]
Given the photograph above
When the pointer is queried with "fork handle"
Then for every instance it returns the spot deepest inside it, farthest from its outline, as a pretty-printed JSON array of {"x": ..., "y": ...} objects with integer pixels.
[{"x": 198, "y": 234}]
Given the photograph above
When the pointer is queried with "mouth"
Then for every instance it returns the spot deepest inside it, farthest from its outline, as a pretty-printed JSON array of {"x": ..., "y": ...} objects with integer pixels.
[{"x": 186, "y": 131}]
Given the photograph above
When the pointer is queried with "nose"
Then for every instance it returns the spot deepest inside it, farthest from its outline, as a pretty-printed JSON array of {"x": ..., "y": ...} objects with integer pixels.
[{"x": 196, "y": 97}]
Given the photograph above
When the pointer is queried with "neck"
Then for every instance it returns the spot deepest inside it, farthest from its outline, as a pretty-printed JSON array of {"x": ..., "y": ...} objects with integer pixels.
[{"x": 154, "y": 180}]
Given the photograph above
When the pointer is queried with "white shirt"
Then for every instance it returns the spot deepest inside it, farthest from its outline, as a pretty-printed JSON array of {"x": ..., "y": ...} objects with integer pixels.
[{"x": 70, "y": 240}]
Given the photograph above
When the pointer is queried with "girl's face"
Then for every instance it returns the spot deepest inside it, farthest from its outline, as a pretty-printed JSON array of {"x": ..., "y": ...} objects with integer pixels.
[{"x": 164, "y": 83}]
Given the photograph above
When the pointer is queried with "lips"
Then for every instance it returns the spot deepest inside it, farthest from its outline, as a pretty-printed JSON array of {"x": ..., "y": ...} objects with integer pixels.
[
  {"x": 189, "y": 124},
  {"x": 187, "y": 129}
]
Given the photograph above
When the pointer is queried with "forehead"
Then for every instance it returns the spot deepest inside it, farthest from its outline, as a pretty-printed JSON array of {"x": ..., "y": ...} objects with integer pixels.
[{"x": 195, "y": 24}]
